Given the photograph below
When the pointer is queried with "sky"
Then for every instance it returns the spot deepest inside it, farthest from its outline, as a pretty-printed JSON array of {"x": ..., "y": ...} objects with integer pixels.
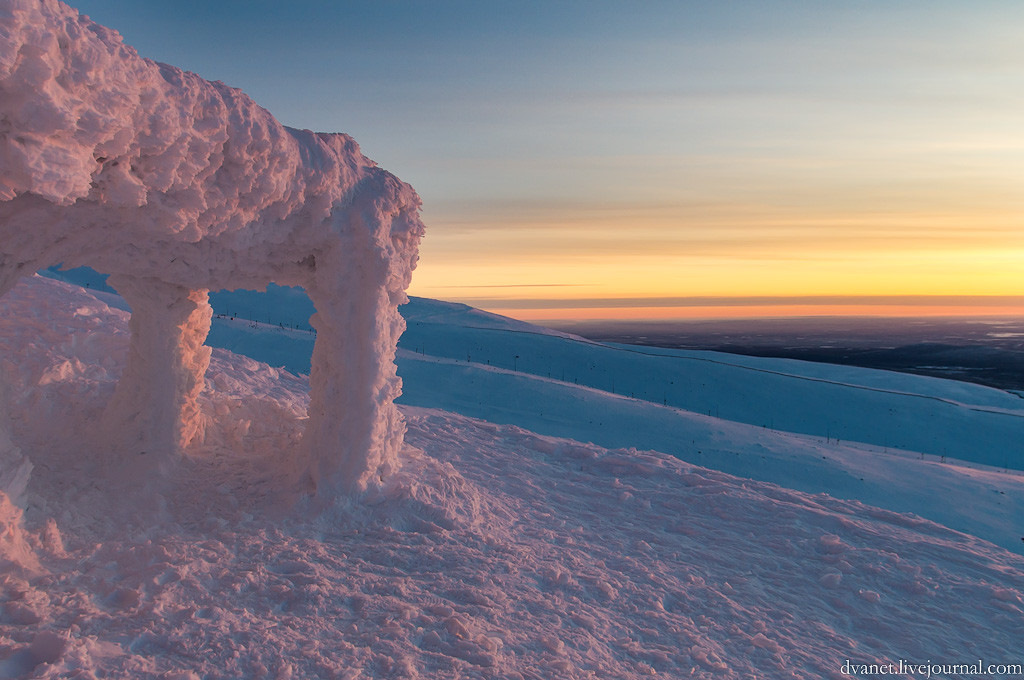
[{"x": 658, "y": 159}]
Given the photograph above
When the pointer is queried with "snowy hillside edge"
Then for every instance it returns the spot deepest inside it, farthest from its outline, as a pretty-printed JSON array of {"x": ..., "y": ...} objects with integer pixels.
[{"x": 495, "y": 552}]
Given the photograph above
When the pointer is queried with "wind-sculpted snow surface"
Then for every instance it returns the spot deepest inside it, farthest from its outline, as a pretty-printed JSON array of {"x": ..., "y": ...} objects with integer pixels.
[
  {"x": 494, "y": 553},
  {"x": 175, "y": 186}
]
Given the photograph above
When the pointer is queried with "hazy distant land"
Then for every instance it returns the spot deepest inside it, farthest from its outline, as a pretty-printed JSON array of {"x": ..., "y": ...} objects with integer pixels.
[{"x": 989, "y": 351}]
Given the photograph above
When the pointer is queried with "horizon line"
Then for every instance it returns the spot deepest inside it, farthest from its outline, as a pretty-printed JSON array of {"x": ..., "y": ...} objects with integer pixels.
[{"x": 747, "y": 301}]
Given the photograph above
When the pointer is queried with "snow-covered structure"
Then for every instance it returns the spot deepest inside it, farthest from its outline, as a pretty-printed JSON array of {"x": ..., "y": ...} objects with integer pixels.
[{"x": 175, "y": 186}]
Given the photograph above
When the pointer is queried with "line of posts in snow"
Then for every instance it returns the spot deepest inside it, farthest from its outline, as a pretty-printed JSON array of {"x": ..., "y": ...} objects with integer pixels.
[{"x": 255, "y": 323}]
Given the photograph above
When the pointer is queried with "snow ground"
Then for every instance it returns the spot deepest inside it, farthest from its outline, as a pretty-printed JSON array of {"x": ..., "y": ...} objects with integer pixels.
[
  {"x": 496, "y": 553},
  {"x": 945, "y": 450}
]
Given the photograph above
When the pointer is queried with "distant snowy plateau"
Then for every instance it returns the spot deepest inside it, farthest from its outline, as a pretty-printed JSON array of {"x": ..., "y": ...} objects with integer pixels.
[{"x": 564, "y": 509}]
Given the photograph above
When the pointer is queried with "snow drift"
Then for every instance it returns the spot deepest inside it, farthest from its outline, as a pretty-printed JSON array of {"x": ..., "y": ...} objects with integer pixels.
[
  {"x": 496, "y": 552},
  {"x": 175, "y": 186}
]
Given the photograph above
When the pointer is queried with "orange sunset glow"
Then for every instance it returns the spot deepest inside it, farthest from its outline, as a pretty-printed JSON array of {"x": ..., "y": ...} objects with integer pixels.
[{"x": 580, "y": 152}]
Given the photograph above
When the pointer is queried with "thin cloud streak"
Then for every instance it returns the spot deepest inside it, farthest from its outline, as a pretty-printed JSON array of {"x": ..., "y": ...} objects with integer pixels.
[{"x": 1008, "y": 301}]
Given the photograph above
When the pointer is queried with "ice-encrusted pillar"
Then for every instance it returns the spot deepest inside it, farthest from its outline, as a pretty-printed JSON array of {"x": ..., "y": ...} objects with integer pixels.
[
  {"x": 355, "y": 431},
  {"x": 154, "y": 409}
]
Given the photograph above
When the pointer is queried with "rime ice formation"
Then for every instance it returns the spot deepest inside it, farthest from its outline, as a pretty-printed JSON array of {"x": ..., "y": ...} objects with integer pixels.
[{"x": 174, "y": 186}]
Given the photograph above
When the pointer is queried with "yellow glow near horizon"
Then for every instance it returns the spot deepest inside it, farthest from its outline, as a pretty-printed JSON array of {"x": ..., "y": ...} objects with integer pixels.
[
  {"x": 748, "y": 311},
  {"x": 976, "y": 273},
  {"x": 886, "y": 172},
  {"x": 860, "y": 255}
]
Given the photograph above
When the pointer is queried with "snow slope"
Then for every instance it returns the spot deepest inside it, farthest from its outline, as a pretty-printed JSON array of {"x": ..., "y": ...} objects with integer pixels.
[
  {"x": 929, "y": 415},
  {"x": 939, "y": 418},
  {"x": 495, "y": 553},
  {"x": 913, "y": 421}
]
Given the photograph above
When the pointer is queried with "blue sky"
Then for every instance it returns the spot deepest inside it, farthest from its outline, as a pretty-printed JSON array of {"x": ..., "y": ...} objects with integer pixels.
[{"x": 654, "y": 149}]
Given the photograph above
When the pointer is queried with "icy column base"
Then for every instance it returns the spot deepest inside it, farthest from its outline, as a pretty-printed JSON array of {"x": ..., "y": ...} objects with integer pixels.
[
  {"x": 154, "y": 410},
  {"x": 355, "y": 431},
  {"x": 15, "y": 469}
]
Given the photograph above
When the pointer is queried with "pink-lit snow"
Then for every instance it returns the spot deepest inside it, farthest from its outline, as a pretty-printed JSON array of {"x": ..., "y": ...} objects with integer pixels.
[
  {"x": 562, "y": 508},
  {"x": 495, "y": 552}
]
